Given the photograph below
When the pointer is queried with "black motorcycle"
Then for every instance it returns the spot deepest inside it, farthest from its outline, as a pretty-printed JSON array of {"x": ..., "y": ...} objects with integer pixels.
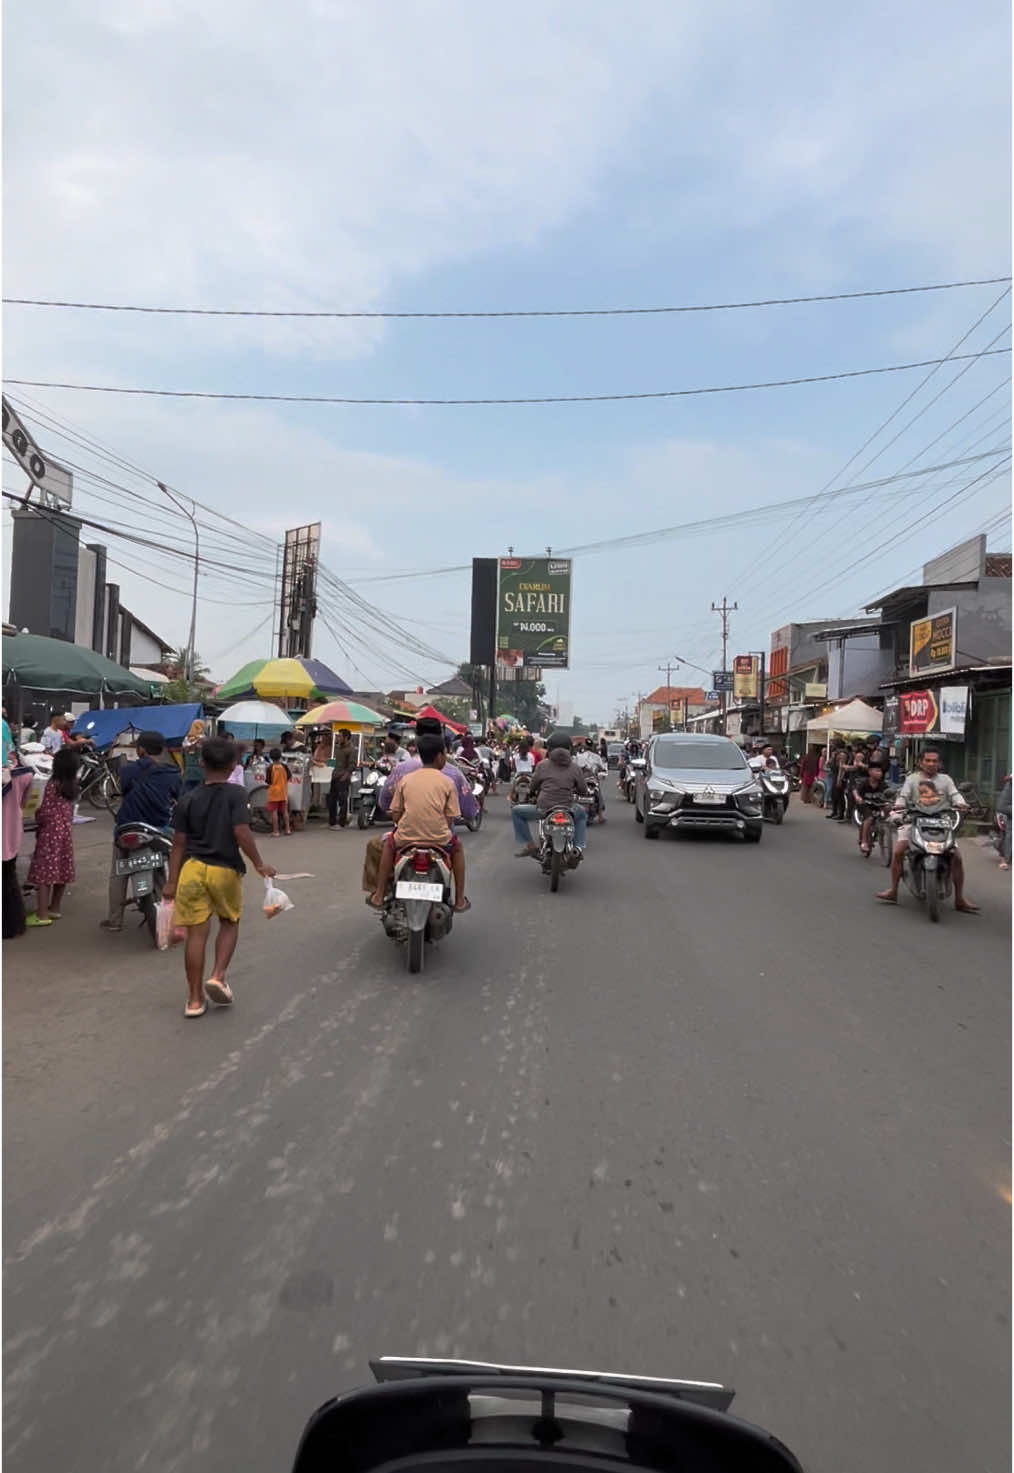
[
  {"x": 142, "y": 858},
  {"x": 417, "y": 907},
  {"x": 557, "y": 849},
  {"x": 437, "y": 1414},
  {"x": 928, "y": 871}
]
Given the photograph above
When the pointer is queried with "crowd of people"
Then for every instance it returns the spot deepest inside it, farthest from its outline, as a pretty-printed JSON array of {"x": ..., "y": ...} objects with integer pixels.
[{"x": 429, "y": 783}]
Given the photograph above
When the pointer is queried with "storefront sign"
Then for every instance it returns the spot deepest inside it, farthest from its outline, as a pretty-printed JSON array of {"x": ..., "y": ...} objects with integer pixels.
[
  {"x": 745, "y": 677},
  {"x": 53, "y": 480},
  {"x": 815, "y": 690},
  {"x": 889, "y": 729},
  {"x": 533, "y": 612},
  {"x": 940, "y": 712},
  {"x": 932, "y": 644}
]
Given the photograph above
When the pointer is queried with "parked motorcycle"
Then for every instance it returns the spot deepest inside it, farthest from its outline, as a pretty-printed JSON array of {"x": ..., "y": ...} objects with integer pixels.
[
  {"x": 929, "y": 858},
  {"x": 557, "y": 850},
  {"x": 418, "y": 906},
  {"x": 142, "y": 855},
  {"x": 774, "y": 785},
  {"x": 472, "y": 1415}
]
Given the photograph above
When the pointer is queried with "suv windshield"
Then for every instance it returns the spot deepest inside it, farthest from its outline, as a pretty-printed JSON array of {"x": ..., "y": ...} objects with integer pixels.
[{"x": 718, "y": 756}]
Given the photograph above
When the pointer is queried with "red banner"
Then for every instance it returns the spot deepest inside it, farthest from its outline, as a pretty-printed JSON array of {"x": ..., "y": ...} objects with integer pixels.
[{"x": 918, "y": 713}]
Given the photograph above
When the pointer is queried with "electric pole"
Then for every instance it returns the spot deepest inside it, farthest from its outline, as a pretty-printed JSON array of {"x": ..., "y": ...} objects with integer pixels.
[
  {"x": 725, "y": 609},
  {"x": 667, "y": 667}
]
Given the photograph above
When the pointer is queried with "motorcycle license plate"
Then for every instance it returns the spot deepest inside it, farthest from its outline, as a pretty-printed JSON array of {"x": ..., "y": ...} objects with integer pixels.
[
  {"x": 418, "y": 890},
  {"x": 136, "y": 865},
  {"x": 708, "y": 798}
]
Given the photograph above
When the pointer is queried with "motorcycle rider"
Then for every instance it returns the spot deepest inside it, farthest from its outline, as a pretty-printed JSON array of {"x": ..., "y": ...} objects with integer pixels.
[
  {"x": 764, "y": 756},
  {"x": 909, "y": 798},
  {"x": 429, "y": 726},
  {"x": 150, "y": 789},
  {"x": 555, "y": 784},
  {"x": 869, "y": 794},
  {"x": 424, "y": 807},
  {"x": 591, "y": 765}
]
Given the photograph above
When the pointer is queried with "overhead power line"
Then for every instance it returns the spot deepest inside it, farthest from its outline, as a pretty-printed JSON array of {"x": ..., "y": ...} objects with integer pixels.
[
  {"x": 890, "y": 291},
  {"x": 781, "y": 383}
]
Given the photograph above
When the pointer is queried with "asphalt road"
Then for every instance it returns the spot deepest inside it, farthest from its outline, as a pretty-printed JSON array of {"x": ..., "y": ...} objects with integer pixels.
[{"x": 709, "y": 1112}]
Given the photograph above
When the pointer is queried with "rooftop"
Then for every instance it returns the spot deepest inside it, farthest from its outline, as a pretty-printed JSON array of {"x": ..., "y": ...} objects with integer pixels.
[{"x": 692, "y": 694}]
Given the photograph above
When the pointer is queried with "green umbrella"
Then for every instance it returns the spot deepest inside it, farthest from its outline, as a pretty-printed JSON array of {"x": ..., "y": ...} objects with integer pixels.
[{"x": 41, "y": 664}]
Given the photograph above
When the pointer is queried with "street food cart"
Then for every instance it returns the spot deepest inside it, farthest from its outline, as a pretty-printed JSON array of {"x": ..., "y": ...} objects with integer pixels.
[{"x": 334, "y": 717}]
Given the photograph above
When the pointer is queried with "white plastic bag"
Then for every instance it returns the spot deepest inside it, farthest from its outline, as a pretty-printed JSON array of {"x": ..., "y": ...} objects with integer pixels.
[
  {"x": 164, "y": 926},
  {"x": 275, "y": 900}
]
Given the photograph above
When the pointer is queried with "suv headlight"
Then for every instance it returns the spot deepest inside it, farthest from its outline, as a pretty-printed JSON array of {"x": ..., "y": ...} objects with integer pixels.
[{"x": 750, "y": 799}]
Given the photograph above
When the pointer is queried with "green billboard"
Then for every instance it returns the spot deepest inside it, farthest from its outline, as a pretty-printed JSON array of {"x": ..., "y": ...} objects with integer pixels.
[{"x": 533, "y": 612}]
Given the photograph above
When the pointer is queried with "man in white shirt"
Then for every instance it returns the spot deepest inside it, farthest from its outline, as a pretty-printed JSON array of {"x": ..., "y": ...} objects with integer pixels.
[{"x": 53, "y": 737}]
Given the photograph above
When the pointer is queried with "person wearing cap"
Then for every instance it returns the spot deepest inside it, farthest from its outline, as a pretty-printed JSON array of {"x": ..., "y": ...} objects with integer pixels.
[{"x": 556, "y": 783}]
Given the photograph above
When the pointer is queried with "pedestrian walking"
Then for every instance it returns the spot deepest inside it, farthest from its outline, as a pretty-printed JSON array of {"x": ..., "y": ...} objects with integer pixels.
[
  {"x": 52, "y": 867},
  {"x": 279, "y": 778},
  {"x": 206, "y": 869}
]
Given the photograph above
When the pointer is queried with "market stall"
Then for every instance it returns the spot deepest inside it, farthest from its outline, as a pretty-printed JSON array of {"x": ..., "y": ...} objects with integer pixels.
[
  {"x": 362, "y": 721},
  {"x": 854, "y": 720}
]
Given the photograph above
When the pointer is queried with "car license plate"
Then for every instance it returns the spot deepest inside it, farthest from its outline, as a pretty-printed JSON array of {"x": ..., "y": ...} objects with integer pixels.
[
  {"x": 417, "y": 890},
  {"x": 709, "y": 798}
]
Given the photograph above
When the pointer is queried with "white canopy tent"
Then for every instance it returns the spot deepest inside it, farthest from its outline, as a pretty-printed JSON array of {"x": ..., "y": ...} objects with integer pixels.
[{"x": 857, "y": 716}]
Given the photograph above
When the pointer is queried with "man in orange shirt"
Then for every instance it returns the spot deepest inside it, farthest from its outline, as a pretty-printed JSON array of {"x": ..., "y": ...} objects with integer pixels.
[{"x": 424, "y": 807}]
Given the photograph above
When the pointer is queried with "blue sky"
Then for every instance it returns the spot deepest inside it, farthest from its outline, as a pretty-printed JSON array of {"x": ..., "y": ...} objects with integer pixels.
[{"x": 449, "y": 156}]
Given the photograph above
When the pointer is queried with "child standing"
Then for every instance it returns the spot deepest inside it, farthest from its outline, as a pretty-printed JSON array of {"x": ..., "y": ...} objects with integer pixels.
[
  {"x": 206, "y": 871},
  {"x": 52, "y": 866},
  {"x": 279, "y": 778}
]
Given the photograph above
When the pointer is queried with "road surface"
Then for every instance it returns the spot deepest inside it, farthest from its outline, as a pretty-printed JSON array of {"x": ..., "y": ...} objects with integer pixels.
[{"x": 709, "y": 1112}]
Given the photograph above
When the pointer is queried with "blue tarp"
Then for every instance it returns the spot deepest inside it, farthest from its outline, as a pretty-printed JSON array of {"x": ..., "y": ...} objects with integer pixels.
[{"x": 171, "y": 722}]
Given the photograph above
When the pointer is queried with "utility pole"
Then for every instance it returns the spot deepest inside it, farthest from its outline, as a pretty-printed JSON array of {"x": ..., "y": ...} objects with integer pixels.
[
  {"x": 725, "y": 609},
  {"x": 667, "y": 667},
  {"x": 197, "y": 563}
]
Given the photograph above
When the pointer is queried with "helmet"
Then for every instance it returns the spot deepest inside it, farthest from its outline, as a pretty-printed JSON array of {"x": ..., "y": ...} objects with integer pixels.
[{"x": 560, "y": 739}]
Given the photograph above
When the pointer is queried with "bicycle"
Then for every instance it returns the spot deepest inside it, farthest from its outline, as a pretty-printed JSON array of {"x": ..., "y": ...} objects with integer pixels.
[{"x": 100, "y": 785}]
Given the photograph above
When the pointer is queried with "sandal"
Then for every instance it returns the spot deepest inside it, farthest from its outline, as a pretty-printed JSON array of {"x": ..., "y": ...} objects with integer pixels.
[
  {"x": 36, "y": 920},
  {"x": 200, "y": 1012},
  {"x": 459, "y": 910},
  {"x": 218, "y": 991},
  {"x": 373, "y": 904}
]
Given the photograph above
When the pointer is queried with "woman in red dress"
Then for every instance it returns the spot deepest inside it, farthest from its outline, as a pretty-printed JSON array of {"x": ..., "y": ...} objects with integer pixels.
[{"x": 52, "y": 866}]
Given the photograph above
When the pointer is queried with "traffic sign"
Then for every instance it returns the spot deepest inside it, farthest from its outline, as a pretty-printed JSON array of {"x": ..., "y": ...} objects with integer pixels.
[{"x": 722, "y": 680}]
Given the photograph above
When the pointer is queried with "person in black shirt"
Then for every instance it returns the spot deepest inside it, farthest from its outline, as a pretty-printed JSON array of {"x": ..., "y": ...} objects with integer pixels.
[
  {"x": 870, "y": 792},
  {"x": 206, "y": 869},
  {"x": 150, "y": 788}
]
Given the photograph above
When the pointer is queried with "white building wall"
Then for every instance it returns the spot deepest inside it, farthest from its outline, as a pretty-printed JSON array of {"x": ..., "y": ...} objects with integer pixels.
[{"x": 85, "y": 608}]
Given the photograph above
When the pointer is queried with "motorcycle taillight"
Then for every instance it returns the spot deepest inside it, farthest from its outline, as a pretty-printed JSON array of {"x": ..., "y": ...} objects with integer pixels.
[
  {"x": 421, "y": 863},
  {"x": 560, "y": 818},
  {"x": 129, "y": 841}
]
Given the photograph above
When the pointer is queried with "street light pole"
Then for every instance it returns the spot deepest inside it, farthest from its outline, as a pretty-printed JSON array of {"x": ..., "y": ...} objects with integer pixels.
[{"x": 192, "y": 514}]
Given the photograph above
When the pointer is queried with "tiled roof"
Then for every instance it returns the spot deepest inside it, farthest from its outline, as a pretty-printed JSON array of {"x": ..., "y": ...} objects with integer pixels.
[{"x": 692, "y": 694}]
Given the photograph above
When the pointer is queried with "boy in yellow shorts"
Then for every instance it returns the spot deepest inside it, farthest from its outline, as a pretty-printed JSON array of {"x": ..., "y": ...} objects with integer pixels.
[{"x": 206, "y": 870}]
